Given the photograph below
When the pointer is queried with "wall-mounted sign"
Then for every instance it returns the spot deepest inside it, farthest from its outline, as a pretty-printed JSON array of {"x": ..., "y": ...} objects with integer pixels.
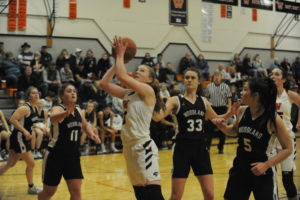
[
  {"x": 178, "y": 12},
  {"x": 288, "y": 7},
  {"x": 228, "y": 2},
  {"x": 259, "y": 4}
]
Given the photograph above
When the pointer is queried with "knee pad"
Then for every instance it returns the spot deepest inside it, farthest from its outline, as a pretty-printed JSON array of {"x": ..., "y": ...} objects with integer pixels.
[
  {"x": 288, "y": 183},
  {"x": 154, "y": 192}
]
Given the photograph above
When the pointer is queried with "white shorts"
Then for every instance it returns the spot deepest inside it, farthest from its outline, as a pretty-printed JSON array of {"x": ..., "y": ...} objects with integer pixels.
[
  {"x": 142, "y": 162},
  {"x": 289, "y": 163}
]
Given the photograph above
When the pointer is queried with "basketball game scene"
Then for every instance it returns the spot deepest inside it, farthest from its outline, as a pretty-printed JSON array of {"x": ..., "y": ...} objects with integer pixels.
[{"x": 149, "y": 99}]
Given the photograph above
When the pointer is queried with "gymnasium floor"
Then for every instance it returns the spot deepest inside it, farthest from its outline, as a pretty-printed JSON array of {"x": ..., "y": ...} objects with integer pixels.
[{"x": 106, "y": 179}]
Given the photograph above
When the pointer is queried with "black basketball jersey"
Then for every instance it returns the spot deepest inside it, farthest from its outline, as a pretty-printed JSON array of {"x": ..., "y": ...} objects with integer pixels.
[
  {"x": 41, "y": 117},
  {"x": 106, "y": 118},
  {"x": 190, "y": 119},
  {"x": 66, "y": 134},
  {"x": 28, "y": 121},
  {"x": 90, "y": 117},
  {"x": 253, "y": 140}
]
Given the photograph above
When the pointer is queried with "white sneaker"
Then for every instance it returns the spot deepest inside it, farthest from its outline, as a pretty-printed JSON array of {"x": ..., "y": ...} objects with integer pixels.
[
  {"x": 35, "y": 156},
  {"x": 34, "y": 190},
  {"x": 1, "y": 159},
  {"x": 114, "y": 149},
  {"x": 39, "y": 155}
]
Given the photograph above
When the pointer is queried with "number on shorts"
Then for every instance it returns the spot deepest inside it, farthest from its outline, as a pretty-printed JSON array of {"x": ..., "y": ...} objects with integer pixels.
[
  {"x": 74, "y": 135},
  {"x": 194, "y": 125},
  {"x": 247, "y": 145}
]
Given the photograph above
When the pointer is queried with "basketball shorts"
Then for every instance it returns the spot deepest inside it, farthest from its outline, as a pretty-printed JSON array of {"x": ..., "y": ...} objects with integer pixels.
[
  {"x": 142, "y": 162},
  {"x": 187, "y": 155},
  {"x": 240, "y": 185},
  {"x": 18, "y": 143},
  {"x": 288, "y": 164},
  {"x": 56, "y": 165}
]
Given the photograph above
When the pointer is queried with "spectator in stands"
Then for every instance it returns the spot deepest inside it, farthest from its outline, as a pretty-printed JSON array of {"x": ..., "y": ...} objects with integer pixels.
[
  {"x": 248, "y": 66},
  {"x": 46, "y": 58},
  {"x": 237, "y": 62},
  {"x": 86, "y": 92},
  {"x": 286, "y": 65},
  {"x": 175, "y": 90},
  {"x": 276, "y": 64},
  {"x": 41, "y": 129},
  {"x": 37, "y": 66},
  {"x": 26, "y": 80},
  {"x": 62, "y": 59},
  {"x": 147, "y": 60},
  {"x": 296, "y": 72},
  {"x": 91, "y": 118},
  {"x": 106, "y": 119},
  {"x": 51, "y": 77},
  {"x": 186, "y": 62},
  {"x": 219, "y": 96},
  {"x": 159, "y": 73},
  {"x": 203, "y": 67},
  {"x": 80, "y": 75},
  {"x": 159, "y": 60},
  {"x": 89, "y": 63},
  {"x": 75, "y": 59},
  {"x": 26, "y": 56},
  {"x": 66, "y": 74},
  {"x": 169, "y": 75},
  {"x": 257, "y": 65},
  {"x": 103, "y": 65},
  {"x": 225, "y": 76},
  {"x": 234, "y": 76},
  {"x": 2, "y": 57},
  {"x": 117, "y": 106},
  {"x": 4, "y": 135},
  {"x": 48, "y": 100},
  {"x": 11, "y": 70},
  {"x": 164, "y": 93}
]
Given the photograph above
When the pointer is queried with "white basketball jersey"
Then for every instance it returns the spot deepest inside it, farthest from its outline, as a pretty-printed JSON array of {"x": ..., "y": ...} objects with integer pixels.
[
  {"x": 136, "y": 118},
  {"x": 284, "y": 107}
]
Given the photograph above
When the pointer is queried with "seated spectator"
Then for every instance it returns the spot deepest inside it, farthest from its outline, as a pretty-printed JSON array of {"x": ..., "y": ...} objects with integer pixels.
[
  {"x": 202, "y": 65},
  {"x": 37, "y": 66},
  {"x": 186, "y": 62},
  {"x": 147, "y": 60},
  {"x": 80, "y": 75},
  {"x": 276, "y": 64},
  {"x": 286, "y": 65},
  {"x": 159, "y": 73},
  {"x": 257, "y": 65},
  {"x": 169, "y": 75},
  {"x": 62, "y": 59},
  {"x": 103, "y": 65},
  {"x": 4, "y": 136},
  {"x": 26, "y": 56},
  {"x": 248, "y": 66},
  {"x": 234, "y": 77},
  {"x": 46, "y": 58},
  {"x": 175, "y": 90},
  {"x": 224, "y": 74},
  {"x": 159, "y": 60},
  {"x": 86, "y": 92},
  {"x": 106, "y": 119},
  {"x": 91, "y": 118},
  {"x": 2, "y": 57},
  {"x": 41, "y": 129},
  {"x": 11, "y": 70},
  {"x": 75, "y": 59},
  {"x": 89, "y": 63},
  {"x": 66, "y": 74},
  {"x": 236, "y": 62},
  {"x": 48, "y": 100},
  {"x": 164, "y": 93},
  {"x": 25, "y": 81},
  {"x": 52, "y": 79}
]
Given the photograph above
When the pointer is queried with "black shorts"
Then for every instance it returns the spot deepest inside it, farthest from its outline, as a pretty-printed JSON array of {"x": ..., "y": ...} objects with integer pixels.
[
  {"x": 240, "y": 185},
  {"x": 18, "y": 143},
  {"x": 187, "y": 155},
  {"x": 56, "y": 165}
]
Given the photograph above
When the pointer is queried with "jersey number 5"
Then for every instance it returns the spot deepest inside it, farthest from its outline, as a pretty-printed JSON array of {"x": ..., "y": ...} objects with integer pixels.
[
  {"x": 247, "y": 146},
  {"x": 74, "y": 135},
  {"x": 194, "y": 125}
]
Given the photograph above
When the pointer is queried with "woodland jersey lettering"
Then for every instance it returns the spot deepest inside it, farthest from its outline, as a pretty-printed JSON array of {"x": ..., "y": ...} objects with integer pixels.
[
  {"x": 74, "y": 124},
  {"x": 251, "y": 131},
  {"x": 193, "y": 112}
]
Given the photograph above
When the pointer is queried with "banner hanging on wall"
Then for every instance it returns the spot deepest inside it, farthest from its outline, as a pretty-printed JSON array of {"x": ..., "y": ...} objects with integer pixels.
[
  {"x": 259, "y": 4},
  {"x": 178, "y": 12},
  {"x": 207, "y": 16},
  {"x": 288, "y": 7},
  {"x": 228, "y": 2},
  {"x": 73, "y": 9},
  {"x": 12, "y": 16},
  {"x": 22, "y": 15}
]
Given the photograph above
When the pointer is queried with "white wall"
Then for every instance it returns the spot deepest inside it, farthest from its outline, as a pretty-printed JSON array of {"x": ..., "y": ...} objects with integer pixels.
[{"x": 148, "y": 25}]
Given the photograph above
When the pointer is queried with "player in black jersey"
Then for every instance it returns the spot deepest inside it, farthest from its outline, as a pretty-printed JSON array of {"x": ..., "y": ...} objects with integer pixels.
[
  {"x": 22, "y": 120},
  {"x": 257, "y": 126},
  {"x": 63, "y": 157},
  {"x": 189, "y": 148}
]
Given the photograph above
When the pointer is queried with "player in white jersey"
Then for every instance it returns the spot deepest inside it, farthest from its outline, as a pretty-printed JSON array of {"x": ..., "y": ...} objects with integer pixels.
[
  {"x": 284, "y": 101},
  {"x": 139, "y": 102}
]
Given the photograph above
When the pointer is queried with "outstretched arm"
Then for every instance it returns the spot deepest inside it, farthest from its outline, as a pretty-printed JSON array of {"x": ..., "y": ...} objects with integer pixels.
[{"x": 171, "y": 105}]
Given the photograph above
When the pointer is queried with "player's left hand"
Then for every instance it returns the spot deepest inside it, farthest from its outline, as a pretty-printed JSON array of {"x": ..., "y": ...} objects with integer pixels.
[
  {"x": 235, "y": 107},
  {"x": 259, "y": 168},
  {"x": 95, "y": 138}
]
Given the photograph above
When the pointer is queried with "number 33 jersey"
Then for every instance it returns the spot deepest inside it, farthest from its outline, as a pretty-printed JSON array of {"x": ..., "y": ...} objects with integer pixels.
[
  {"x": 190, "y": 119},
  {"x": 66, "y": 134}
]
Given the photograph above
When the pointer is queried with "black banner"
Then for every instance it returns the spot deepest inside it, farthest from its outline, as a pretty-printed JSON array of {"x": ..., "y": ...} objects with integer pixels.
[
  {"x": 259, "y": 4},
  {"x": 227, "y": 2},
  {"x": 288, "y": 7},
  {"x": 178, "y": 12}
]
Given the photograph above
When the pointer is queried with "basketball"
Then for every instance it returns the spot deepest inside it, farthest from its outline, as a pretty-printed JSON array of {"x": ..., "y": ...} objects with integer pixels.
[{"x": 130, "y": 50}]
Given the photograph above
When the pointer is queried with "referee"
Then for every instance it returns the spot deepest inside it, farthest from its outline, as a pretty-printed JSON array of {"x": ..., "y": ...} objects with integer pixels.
[{"x": 219, "y": 96}]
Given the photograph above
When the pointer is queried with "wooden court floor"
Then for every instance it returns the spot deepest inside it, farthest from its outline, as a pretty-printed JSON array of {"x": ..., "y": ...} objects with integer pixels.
[{"x": 106, "y": 179}]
